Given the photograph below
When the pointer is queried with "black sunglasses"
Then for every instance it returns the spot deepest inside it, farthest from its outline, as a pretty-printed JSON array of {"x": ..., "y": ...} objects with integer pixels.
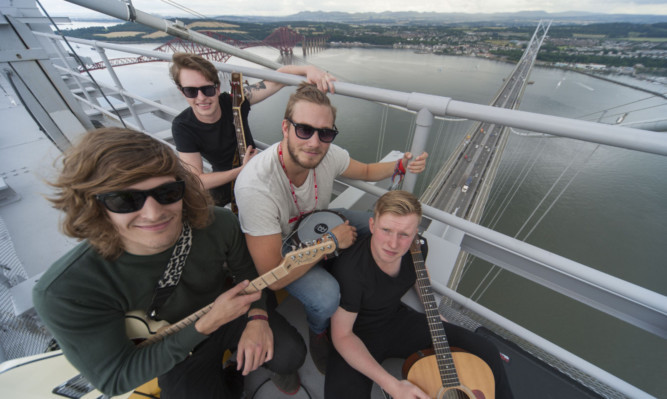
[
  {"x": 305, "y": 132},
  {"x": 191, "y": 92},
  {"x": 127, "y": 201}
]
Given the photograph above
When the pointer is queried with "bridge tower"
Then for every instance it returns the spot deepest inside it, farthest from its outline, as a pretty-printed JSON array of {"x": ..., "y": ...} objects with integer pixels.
[{"x": 284, "y": 39}]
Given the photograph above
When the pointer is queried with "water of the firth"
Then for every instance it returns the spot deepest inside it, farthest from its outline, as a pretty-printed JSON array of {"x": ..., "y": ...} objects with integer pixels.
[{"x": 612, "y": 216}]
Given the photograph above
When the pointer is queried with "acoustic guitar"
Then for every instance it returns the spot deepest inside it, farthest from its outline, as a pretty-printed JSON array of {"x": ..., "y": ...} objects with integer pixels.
[
  {"x": 440, "y": 372},
  {"x": 145, "y": 331}
]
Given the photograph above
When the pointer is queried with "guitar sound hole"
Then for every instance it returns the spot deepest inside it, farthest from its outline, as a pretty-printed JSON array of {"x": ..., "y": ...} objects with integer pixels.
[{"x": 455, "y": 393}]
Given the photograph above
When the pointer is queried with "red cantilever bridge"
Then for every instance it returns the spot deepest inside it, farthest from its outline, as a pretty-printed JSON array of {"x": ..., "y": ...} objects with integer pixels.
[{"x": 283, "y": 38}]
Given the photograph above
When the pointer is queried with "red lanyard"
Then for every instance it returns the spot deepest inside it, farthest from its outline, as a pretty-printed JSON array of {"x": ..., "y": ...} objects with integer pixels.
[{"x": 291, "y": 186}]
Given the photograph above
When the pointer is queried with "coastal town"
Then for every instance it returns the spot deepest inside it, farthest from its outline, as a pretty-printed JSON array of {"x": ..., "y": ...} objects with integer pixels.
[{"x": 638, "y": 50}]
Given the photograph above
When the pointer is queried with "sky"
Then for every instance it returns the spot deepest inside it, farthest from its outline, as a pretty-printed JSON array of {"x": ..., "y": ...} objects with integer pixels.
[{"x": 288, "y": 7}]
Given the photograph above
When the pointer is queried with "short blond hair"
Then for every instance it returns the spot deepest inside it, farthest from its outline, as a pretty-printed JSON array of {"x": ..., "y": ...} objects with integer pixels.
[{"x": 398, "y": 202}]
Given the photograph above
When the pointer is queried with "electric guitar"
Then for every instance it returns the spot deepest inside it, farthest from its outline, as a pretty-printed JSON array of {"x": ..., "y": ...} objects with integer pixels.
[
  {"x": 441, "y": 373},
  {"x": 145, "y": 331},
  {"x": 238, "y": 97}
]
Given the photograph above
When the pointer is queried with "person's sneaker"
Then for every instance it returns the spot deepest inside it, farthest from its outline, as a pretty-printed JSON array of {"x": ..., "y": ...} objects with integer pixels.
[
  {"x": 319, "y": 350},
  {"x": 288, "y": 384}
]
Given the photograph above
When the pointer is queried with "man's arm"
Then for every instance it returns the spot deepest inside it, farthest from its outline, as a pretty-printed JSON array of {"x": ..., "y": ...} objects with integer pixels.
[
  {"x": 356, "y": 354},
  {"x": 266, "y": 252},
  {"x": 264, "y": 89},
  {"x": 382, "y": 170},
  {"x": 213, "y": 179}
]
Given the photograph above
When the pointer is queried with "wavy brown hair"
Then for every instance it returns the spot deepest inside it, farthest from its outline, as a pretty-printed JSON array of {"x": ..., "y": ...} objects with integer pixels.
[
  {"x": 308, "y": 92},
  {"x": 110, "y": 159},
  {"x": 195, "y": 62}
]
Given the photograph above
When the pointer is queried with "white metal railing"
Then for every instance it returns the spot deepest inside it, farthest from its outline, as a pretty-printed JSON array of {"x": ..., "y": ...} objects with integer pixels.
[
  {"x": 636, "y": 305},
  {"x": 641, "y": 307}
]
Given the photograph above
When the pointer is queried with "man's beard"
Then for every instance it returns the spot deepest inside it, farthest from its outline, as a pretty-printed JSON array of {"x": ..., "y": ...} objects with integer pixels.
[{"x": 292, "y": 153}]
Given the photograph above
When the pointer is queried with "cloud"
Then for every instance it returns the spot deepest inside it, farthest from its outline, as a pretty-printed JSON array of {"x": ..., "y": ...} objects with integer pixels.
[{"x": 288, "y": 7}]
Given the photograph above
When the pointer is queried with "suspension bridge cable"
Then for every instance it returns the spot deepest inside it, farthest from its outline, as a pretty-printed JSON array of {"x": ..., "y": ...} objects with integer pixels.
[
  {"x": 561, "y": 193},
  {"x": 515, "y": 186},
  {"x": 383, "y": 126},
  {"x": 507, "y": 172},
  {"x": 546, "y": 195},
  {"x": 618, "y": 106},
  {"x": 537, "y": 223},
  {"x": 184, "y": 8}
]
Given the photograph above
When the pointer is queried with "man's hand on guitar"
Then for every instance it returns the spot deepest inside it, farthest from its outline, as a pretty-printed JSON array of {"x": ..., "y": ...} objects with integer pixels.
[
  {"x": 404, "y": 389},
  {"x": 255, "y": 347},
  {"x": 345, "y": 234},
  {"x": 250, "y": 152},
  {"x": 227, "y": 307}
]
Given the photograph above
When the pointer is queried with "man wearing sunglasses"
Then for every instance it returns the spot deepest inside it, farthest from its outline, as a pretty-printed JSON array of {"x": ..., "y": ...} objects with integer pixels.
[
  {"x": 153, "y": 241},
  {"x": 206, "y": 128},
  {"x": 291, "y": 179}
]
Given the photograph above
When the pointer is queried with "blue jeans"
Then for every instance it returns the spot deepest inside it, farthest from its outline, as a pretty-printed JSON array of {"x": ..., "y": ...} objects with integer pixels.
[{"x": 318, "y": 290}]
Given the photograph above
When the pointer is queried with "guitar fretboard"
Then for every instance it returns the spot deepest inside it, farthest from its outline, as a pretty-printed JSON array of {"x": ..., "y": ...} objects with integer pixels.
[
  {"x": 443, "y": 353},
  {"x": 237, "y": 100},
  {"x": 294, "y": 259}
]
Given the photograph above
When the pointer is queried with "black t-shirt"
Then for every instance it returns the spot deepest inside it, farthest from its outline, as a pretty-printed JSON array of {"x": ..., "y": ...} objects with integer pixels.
[
  {"x": 367, "y": 290},
  {"x": 216, "y": 142}
]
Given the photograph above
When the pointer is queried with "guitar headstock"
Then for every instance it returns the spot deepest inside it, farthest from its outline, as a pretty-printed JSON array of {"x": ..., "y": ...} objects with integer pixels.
[
  {"x": 417, "y": 243},
  {"x": 308, "y": 254},
  {"x": 236, "y": 84}
]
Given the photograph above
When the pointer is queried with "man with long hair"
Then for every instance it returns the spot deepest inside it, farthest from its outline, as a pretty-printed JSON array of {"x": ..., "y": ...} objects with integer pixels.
[{"x": 153, "y": 241}]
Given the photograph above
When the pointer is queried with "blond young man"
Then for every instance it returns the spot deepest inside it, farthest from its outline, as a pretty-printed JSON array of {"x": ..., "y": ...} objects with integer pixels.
[{"x": 372, "y": 324}]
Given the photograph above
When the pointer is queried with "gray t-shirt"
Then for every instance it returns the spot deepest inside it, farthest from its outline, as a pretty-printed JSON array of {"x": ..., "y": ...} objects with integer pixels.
[{"x": 263, "y": 194}]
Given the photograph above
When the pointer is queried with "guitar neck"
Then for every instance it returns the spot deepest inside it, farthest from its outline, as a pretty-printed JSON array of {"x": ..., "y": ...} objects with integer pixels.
[
  {"x": 441, "y": 347},
  {"x": 237, "y": 100},
  {"x": 292, "y": 260}
]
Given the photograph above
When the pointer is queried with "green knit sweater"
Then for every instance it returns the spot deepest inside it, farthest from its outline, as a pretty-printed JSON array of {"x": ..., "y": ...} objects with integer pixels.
[{"x": 83, "y": 298}]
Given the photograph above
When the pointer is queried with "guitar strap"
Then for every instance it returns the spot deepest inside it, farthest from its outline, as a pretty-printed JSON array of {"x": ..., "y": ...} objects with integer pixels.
[{"x": 172, "y": 273}]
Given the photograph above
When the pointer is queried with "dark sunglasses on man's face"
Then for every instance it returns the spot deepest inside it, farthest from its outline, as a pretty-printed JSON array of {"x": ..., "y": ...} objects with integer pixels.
[
  {"x": 127, "y": 201},
  {"x": 191, "y": 92},
  {"x": 305, "y": 132}
]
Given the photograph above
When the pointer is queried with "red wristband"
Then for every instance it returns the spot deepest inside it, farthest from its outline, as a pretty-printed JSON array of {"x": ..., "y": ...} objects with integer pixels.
[
  {"x": 258, "y": 317},
  {"x": 399, "y": 166}
]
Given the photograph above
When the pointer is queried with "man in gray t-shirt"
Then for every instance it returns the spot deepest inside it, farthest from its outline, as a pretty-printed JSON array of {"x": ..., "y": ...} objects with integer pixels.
[{"x": 292, "y": 178}]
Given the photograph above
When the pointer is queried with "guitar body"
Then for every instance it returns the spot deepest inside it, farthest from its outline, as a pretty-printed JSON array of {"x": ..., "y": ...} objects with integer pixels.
[{"x": 475, "y": 376}]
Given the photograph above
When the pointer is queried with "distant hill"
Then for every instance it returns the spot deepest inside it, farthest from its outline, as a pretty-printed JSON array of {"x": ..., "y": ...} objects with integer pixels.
[{"x": 413, "y": 17}]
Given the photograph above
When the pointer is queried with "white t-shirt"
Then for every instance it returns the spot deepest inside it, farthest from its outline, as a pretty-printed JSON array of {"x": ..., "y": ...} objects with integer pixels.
[{"x": 264, "y": 197}]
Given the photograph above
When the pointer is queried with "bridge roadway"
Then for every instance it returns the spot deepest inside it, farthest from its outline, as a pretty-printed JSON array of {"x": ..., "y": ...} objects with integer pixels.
[{"x": 462, "y": 185}]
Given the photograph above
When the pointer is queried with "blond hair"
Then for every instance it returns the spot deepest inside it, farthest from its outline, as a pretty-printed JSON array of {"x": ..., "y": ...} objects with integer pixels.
[{"x": 399, "y": 203}]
